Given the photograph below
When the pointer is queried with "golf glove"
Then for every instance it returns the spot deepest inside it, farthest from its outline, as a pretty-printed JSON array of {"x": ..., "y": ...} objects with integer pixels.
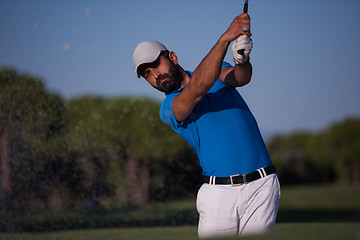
[{"x": 241, "y": 49}]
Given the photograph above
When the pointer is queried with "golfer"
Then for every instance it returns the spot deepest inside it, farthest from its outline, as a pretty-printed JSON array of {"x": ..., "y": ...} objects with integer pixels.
[{"x": 240, "y": 194}]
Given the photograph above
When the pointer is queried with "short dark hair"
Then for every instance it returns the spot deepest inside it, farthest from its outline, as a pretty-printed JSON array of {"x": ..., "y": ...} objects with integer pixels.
[{"x": 165, "y": 53}]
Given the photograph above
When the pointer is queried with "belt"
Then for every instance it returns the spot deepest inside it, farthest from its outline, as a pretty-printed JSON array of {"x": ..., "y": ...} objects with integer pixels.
[{"x": 239, "y": 179}]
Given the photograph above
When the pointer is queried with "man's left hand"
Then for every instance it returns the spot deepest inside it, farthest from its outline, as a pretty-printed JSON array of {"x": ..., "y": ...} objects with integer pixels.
[{"x": 241, "y": 49}]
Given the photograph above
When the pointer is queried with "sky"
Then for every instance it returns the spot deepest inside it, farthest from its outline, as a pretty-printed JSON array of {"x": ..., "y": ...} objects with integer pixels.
[{"x": 305, "y": 57}]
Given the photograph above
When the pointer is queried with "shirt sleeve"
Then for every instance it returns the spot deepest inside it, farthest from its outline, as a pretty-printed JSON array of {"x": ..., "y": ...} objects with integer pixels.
[
  {"x": 167, "y": 114},
  {"x": 226, "y": 64}
]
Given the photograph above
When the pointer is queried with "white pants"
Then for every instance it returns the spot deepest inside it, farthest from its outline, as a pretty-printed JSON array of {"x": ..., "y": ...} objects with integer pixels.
[{"x": 242, "y": 210}]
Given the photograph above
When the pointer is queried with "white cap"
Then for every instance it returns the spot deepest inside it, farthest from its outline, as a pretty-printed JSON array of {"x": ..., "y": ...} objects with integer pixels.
[{"x": 146, "y": 52}]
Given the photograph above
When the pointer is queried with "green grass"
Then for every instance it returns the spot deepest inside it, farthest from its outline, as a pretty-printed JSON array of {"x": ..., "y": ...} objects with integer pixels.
[
  {"x": 306, "y": 212},
  {"x": 320, "y": 203},
  {"x": 321, "y": 196}
]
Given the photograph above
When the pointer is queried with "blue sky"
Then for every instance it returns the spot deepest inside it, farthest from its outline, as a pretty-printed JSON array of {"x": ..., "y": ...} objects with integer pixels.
[{"x": 306, "y": 53}]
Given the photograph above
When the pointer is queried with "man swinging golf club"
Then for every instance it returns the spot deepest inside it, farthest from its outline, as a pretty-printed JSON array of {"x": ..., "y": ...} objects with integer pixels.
[{"x": 240, "y": 194}]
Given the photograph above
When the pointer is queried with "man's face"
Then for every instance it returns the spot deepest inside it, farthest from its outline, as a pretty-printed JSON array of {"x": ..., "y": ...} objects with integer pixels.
[{"x": 163, "y": 74}]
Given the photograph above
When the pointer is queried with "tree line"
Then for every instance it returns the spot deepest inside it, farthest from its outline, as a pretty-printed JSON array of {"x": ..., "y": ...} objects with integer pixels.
[
  {"x": 95, "y": 151},
  {"x": 332, "y": 155}
]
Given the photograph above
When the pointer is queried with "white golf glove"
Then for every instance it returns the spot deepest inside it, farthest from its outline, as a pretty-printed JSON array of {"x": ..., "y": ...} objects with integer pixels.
[{"x": 241, "y": 49}]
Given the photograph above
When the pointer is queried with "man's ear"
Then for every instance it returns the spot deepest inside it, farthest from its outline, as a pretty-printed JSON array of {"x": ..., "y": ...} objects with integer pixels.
[{"x": 173, "y": 57}]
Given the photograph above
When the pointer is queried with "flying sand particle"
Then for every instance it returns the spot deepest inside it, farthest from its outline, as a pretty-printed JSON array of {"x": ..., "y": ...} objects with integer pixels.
[{"x": 66, "y": 46}]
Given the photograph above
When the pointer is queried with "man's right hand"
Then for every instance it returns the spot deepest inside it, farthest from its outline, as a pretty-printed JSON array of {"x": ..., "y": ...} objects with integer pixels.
[{"x": 237, "y": 27}]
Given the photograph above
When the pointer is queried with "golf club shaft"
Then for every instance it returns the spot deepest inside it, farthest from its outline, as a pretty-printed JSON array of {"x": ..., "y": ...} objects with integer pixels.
[{"x": 245, "y": 10}]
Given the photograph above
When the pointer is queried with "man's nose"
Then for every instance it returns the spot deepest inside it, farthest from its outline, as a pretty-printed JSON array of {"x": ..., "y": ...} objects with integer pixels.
[{"x": 156, "y": 73}]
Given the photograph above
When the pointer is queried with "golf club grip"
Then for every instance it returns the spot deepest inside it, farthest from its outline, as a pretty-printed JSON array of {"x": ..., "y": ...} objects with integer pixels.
[{"x": 245, "y": 8}]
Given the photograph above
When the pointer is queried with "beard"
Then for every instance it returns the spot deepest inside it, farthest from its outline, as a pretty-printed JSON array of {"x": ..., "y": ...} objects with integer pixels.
[{"x": 169, "y": 82}]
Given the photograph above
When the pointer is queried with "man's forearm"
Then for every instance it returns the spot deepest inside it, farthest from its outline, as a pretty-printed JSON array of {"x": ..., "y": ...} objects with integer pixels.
[
  {"x": 243, "y": 74},
  {"x": 209, "y": 69},
  {"x": 237, "y": 76}
]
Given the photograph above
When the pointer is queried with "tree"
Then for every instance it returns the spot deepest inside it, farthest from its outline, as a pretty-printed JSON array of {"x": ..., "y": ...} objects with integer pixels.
[
  {"x": 126, "y": 133},
  {"x": 289, "y": 154},
  {"x": 338, "y": 146},
  {"x": 29, "y": 119}
]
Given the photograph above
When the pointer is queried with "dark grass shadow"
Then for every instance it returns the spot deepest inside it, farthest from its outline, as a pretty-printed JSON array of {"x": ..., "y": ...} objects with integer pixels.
[{"x": 119, "y": 218}]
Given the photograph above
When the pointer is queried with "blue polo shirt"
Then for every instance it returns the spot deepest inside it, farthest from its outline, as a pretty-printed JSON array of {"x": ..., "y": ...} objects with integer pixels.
[{"x": 222, "y": 131}]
